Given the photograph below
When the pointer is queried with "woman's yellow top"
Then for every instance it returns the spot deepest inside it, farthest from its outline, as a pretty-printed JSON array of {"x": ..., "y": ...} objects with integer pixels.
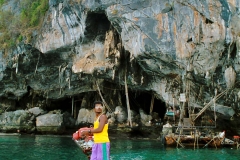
[{"x": 101, "y": 137}]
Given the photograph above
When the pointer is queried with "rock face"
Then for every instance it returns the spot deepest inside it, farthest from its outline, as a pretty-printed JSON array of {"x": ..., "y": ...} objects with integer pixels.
[
  {"x": 17, "y": 120},
  {"x": 121, "y": 114},
  {"x": 85, "y": 116},
  {"x": 50, "y": 123},
  {"x": 163, "y": 48},
  {"x": 145, "y": 119},
  {"x": 36, "y": 111},
  {"x": 36, "y": 120}
]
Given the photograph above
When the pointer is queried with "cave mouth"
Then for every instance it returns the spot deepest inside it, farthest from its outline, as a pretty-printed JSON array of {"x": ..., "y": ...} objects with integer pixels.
[
  {"x": 97, "y": 24},
  {"x": 137, "y": 100},
  {"x": 71, "y": 105},
  {"x": 143, "y": 100}
]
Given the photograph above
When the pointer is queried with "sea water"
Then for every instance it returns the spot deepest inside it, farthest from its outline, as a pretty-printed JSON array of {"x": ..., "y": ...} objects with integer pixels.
[{"x": 39, "y": 147}]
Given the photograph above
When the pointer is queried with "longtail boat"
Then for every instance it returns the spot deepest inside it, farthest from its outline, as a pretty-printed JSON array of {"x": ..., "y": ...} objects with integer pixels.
[{"x": 85, "y": 143}]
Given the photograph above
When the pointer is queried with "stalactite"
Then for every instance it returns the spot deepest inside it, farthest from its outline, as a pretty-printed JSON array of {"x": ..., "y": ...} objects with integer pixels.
[
  {"x": 47, "y": 96},
  {"x": 17, "y": 68},
  {"x": 229, "y": 51},
  {"x": 69, "y": 84},
  {"x": 113, "y": 75},
  {"x": 152, "y": 104},
  {"x": 59, "y": 71},
  {"x": 60, "y": 91},
  {"x": 207, "y": 75},
  {"x": 117, "y": 55},
  {"x": 142, "y": 78},
  {"x": 230, "y": 77},
  {"x": 37, "y": 64}
]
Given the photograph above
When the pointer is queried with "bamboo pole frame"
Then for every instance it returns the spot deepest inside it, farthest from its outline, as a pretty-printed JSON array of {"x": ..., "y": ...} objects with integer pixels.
[{"x": 127, "y": 99}]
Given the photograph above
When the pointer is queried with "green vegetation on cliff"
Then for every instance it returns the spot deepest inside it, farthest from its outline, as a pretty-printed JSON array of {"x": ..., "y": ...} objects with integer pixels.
[
  {"x": 2, "y": 2},
  {"x": 15, "y": 28}
]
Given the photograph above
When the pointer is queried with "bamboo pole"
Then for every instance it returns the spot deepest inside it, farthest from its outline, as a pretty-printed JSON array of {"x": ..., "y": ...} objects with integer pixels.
[
  {"x": 197, "y": 139},
  {"x": 210, "y": 103},
  {"x": 72, "y": 105},
  {"x": 194, "y": 138},
  {"x": 75, "y": 111},
  {"x": 210, "y": 141},
  {"x": 178, "y": 142},
  {"x": 152, "y": 103},
  {"x": 127, "y": 99},
  {"x": 109, "y": 109}
]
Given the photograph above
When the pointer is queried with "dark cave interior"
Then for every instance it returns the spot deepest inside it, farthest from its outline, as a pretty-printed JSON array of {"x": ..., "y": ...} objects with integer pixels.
[{"x": 136, "y": 100}]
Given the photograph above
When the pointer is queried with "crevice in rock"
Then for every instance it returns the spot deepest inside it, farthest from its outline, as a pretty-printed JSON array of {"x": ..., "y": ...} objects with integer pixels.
[
  {"x": 233, "y": 51},
  {"x": 208, "y": 21}
]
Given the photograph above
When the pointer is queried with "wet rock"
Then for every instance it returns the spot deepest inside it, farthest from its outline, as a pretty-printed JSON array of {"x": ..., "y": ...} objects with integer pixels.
[
  {"x": 7, "y": 105},
  {"x": 68, "y": 120},
  {"x": 36, "y": 111},
  {"x": 50, "y": 123},
  {"x": 145, "y": 118},
  {"x": 121, "y": 114},
  {"x": 85, "y": 116},
  {"x": 17, "y": 120},
  {"x": 111, "y": 118}
]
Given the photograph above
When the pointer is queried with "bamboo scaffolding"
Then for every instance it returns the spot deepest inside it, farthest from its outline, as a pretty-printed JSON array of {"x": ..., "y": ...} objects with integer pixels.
[
  {"x": 178, "y": 142},
  {"x": 210, "y": 103},
  {"x": 210, "y": 141},
  {"x": 127, "y": 99}
]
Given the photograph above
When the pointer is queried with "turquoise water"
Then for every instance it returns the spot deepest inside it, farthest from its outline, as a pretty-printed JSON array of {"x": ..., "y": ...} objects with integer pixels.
[{"x": 61, "y": 148}]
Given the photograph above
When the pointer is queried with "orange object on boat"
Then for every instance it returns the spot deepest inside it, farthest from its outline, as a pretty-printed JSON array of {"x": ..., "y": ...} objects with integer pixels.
[
  {"x": 235, "y": 137},
  {"x": 85, "y": 142},
  {"x": 77, "y": 135}
]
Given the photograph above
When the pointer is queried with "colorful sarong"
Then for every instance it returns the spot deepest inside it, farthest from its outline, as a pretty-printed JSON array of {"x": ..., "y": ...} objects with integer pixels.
[{"x": 100, "y": 151}]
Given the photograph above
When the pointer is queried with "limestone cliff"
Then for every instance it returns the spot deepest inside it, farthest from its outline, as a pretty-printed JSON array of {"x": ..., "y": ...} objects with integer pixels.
[{"x": 158, "y": 44}]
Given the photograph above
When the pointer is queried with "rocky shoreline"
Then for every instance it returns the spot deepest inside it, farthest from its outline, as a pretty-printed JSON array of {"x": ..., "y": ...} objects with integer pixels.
[{"x": 38, "y": 121}]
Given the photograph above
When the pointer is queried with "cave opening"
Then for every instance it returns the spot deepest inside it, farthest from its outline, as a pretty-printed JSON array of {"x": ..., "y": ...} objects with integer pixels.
[
  {"x": 68, "y": 104},
  {"x": 142, "y": 100},
  {"x": 97, "y": 25},
  {"x": 64, "y": 104}
]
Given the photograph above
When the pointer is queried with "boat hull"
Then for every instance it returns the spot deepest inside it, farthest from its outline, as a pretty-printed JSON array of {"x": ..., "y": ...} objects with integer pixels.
[
  {"x": 189, "y": 141},
  {"x": 86, "y": 149}
]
